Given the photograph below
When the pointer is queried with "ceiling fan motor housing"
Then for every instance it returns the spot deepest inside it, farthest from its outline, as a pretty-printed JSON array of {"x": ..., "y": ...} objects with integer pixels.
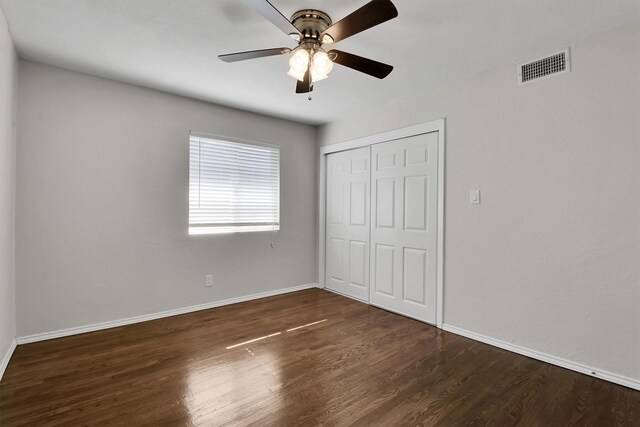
[{"x": 311, "y": 23}]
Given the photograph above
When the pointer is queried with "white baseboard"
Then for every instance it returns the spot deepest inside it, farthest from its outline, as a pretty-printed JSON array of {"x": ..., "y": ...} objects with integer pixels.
[
  {"x": 574, "y": 366},
  {"x": 7, "y": 357},
  {"x": 153, "y": 316}
]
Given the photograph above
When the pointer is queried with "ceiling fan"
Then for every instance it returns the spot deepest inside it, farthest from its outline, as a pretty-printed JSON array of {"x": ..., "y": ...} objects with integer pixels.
[{"x": 312, "y": 29}]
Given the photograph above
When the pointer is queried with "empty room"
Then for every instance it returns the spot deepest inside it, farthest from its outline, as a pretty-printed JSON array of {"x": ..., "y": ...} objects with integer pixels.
[{"x": 319, "y": 212}]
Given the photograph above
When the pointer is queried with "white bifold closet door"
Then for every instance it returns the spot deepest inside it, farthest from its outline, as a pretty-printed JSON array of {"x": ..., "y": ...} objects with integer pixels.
[
  {"x": 404, "y": 202},
  {"x": 347, "y": 222}
]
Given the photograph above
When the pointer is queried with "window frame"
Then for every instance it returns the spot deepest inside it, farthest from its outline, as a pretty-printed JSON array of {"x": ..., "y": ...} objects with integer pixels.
[{"x": 224, "y": 229}]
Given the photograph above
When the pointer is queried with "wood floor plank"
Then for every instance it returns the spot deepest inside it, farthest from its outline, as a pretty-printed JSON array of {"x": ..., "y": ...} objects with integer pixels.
[{"x": 322, "y": 360}]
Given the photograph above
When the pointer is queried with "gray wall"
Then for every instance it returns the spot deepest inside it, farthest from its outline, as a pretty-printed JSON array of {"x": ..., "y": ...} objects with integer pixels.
[
  {"x": 102, "y": 193},
  {"x": 551, "y": 259},
  {"x": 8, "y": 97}
]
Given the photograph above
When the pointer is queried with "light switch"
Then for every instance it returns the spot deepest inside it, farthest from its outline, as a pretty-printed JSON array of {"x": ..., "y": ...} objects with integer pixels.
[{"x": 474, "y": 197}]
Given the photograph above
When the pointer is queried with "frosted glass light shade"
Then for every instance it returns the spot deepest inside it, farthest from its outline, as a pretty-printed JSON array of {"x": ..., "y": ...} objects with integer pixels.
[
  {"x": 322, "y": 65},
  {"x": 315, "y": 77},
  {"x": 296, "y": 74},
  {"x": 300, "y": 60}
]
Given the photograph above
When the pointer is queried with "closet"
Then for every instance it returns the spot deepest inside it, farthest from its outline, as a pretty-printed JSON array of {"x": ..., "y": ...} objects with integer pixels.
[{"x": 381, "y": 226}]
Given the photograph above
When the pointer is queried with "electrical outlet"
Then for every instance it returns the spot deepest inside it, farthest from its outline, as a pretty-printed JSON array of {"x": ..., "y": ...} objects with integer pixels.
[{"x": 208, "y": 280}]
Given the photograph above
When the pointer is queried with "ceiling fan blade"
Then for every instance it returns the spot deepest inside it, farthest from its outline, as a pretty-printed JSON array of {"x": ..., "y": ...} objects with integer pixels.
[
  {"x": 266, "y": 9},
  {"x": 305, "y": 86},
  {"x": 252, "y": 54},
  {"x": 364, "y": 65},
  {"x": 371, "y": 14}
]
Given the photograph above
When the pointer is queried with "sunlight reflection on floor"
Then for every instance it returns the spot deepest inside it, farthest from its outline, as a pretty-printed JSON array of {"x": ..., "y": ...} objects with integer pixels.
[{"x": 233, "y": 384}]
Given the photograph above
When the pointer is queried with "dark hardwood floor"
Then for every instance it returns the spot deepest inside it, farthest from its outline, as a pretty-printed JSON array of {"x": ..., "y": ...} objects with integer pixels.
[{"x": 358, "y": 366}]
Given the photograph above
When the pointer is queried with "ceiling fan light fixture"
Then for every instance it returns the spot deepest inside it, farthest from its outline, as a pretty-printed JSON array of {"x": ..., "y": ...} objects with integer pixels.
[
  {"x": 311, "y": 28},
  {"x": 315, "y": 77},
  {"x": 322, "y": 65},
  {"x": 299, "y": 63},
  {"x": 296, "y": 74},
  {"x": 300, "y": 60}
]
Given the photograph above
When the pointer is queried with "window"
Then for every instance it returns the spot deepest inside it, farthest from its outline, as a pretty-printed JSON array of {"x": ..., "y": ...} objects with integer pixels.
[{"x": 233, "y": 186}]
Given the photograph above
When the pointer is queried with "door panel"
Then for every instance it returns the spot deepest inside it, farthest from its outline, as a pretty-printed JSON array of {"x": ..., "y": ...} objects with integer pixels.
[
  {"x": 386, "y": 161},
  {"x": 404, "y": 223},
  {"x": 384, "y": 277},
  {"x": 358, "y": 262},
  {"x": 348, "y": 206},
  {"x": 415, "y": 275},
  {"x": 415, "y": 203},
  {"x": 337, "y": 213},
  {"x": 385, "y": 207},
  {"x": 335, "y": 266},
  {"x": 358, "y": 202}
]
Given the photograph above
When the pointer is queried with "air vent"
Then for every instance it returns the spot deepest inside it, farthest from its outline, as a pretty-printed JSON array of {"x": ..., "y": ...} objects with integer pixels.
[{"x": 549, "y": 66}]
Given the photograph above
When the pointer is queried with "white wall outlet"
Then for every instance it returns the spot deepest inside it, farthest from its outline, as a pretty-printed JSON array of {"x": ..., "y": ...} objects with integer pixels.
[
  {"x": 474, "y": 197},
  {"x": 208, "y": 280}
]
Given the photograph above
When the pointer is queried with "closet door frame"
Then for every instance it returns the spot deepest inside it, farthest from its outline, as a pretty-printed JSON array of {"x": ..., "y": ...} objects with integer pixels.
[{"x": 428, "y": 127}]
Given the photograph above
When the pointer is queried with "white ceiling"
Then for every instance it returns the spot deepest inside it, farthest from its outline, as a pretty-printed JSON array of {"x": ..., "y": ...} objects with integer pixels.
[{"x": 172, "y": 45}]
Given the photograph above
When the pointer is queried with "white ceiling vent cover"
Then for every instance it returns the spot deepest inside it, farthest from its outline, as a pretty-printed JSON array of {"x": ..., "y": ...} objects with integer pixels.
[{"x": 543, "y": 68}]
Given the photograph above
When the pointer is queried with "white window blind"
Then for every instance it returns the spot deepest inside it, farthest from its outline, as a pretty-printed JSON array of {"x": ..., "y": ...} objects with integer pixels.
[{"x": 233, "y": 186}]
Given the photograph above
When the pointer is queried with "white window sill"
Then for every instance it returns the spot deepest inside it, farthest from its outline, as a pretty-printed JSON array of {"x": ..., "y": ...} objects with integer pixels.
[{"x": 199, "y": 231}]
